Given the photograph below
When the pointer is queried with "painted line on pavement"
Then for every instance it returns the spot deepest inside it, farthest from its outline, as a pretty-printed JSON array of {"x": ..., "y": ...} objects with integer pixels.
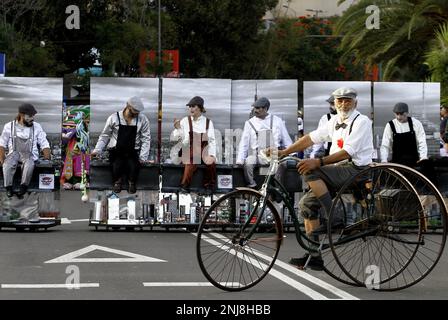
[
  {"x": 344, "y": 295},
  {"x": 180, "y": 284},
  {"x": 50, "y": 286},
  {"x": 288, "y": 280},
  {"x": 68, "y": 221}
]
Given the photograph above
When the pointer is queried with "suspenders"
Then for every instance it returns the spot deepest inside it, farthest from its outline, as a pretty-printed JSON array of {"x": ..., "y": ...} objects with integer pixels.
[
  {"x": 394, "y": 131},
  {"x": 351, "y": 125},
  {"x": 190, "y": 124},
  {"x": 13, "y": 134},
  {"x": 256, "y": 132},
  {"x": 119, "y": 122}
]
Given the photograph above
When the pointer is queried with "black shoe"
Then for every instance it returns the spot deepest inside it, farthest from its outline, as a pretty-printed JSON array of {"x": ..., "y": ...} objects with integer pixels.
[
  {"x": 117, "y": 187},
  {"x": 315, "y": 263},
  {"x": 339, "y": 224},
  {"x": 22, "y": 190},
  {"x": 132, "y": 188},
  {"x": 9, "y": 192}
]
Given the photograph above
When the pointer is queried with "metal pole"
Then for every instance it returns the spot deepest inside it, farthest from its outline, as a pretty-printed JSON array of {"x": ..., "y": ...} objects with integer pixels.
[{"x": 159, "y": 72}]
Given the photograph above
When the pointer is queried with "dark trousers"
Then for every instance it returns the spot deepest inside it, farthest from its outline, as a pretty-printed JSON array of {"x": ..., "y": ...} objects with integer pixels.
[
  {"x": 124, "y": 164},
  {"x": 209, "y": 176}
]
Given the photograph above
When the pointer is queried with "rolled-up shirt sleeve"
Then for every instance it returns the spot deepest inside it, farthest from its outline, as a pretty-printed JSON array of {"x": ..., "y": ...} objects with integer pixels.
[
  {"x": 321, "y": 134},
  {"x": 421, "y": 141},
  {"x": 41, "y": 138},
  {"x": 6, "y": 135},
  {"x": 211, "y": 140},
  {"x": 145, "y": 136},
  {"x": 386, "y": 143},
  {"x": 243, "y": 148},
  {"x": 355, "y": 143}
]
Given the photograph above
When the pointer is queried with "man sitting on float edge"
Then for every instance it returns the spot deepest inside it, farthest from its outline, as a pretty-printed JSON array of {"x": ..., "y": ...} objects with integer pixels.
[
  {"x": 351, "y": 151},
  {"x": 127, "y": 137},
  {"x": 22, "y": 137}
]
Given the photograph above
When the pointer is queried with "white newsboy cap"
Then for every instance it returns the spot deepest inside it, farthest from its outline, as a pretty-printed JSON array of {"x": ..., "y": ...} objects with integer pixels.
[
  {"x": 345, "y": 92},
  {"x": 136, "y": 103}
]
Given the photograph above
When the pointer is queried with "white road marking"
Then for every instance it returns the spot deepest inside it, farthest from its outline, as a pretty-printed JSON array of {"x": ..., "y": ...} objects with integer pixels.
[
  {"x": 316, "y": 281},
  {"x": 72, "y": 257},
  {"x": 50, "y": 286},
  {"x": 179, "y": 284},
  {"x": 68, "y": 221},
  {"x": 302, "y": 274},
  {"x": 80, "y": 220},
  {"x": 288, "y": 280}
]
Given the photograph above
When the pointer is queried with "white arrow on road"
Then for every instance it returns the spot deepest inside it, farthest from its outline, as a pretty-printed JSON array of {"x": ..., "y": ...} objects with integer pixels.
[{"x": 73, "y": 257}]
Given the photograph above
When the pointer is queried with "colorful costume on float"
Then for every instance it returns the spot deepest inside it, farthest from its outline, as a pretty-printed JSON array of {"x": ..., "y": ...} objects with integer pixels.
[{"x": 76, "y": 138}]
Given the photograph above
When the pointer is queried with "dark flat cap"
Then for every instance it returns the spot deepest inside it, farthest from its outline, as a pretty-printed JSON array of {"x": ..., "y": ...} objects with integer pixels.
[
  {"x": 27, "y": 109},
  {"x": 330, "y": 100},
  {"x": 262, "y": 103},
  {"x": 401, "y": 107},
  {"x": 345, "y": 92},
  {"x": 196, "y": 101}
]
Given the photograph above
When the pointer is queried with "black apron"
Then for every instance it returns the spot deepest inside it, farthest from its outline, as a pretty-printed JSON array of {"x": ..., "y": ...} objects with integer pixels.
[
  {"x": 404, "y": 147},
  {"x": 124, "y": 156},
  {"x": 126, "y": 139}
]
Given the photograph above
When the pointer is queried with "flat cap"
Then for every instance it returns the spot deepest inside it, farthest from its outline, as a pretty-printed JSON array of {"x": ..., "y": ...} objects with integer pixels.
[
  {"x": 196, "y": 101},
  {"x": 330, "y": 100},
  {"x": 27, "y": 109},
  {"x": 136, "y": 103},
  {"x": 262, "y": 103},
  {"x": 345, "y": 92},
  {"x": 401, "y": 107}
]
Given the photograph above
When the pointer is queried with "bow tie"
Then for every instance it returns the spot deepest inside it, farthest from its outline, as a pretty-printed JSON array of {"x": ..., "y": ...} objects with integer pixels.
[{"x": 342, "y": 125}]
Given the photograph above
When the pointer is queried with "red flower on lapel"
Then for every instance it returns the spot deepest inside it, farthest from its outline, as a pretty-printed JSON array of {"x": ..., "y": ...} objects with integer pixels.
[{"x": 341, "y": 143}]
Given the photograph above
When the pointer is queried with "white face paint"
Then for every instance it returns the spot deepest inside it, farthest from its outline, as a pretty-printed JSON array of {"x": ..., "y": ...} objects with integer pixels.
[{"x": 344, "y": 107}]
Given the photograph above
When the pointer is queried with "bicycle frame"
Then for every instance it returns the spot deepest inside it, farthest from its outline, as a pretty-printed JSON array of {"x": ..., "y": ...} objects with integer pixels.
[{"x": 271, "y": 186}]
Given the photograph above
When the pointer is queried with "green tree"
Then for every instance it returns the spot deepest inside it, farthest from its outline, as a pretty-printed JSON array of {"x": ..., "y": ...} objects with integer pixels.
[
  {"x": 406, "y": 27},
  {"x": 437, "y": 60},
  {"x": 304, "y": 48},
  {"x": 215, "y": 37}
]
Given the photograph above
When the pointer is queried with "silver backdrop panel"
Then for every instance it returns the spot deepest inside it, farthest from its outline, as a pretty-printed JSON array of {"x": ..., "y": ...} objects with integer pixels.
[
  {"x": 423, "y": 99},
  {"x": 315, "y": 94},
  {"x": 178, "y": 92},
  {"x": 109, "y": 95},
  {"x": 282, "y": 95},
  {"x": 44, "y": 93}
]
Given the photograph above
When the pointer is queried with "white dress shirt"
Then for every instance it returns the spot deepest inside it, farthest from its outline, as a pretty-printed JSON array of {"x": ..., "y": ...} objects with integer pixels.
[
  {"x": 24, "y": 132},
  {"x": 249, "y": 141},
  {"x": 318, "y": 146},
  {"x": 387, "y": 141},
  {"x": 109, "y": 135},
  {"x": 358, "y": 144},
  {"x": 199, "y": 126}
]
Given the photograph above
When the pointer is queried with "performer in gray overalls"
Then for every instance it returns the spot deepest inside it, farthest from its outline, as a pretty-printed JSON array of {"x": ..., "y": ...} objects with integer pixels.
[{"x": 21, "y": 138}]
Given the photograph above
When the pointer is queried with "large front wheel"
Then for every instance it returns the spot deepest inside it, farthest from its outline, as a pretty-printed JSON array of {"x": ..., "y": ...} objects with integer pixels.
[{"x": 235, "y": 255}]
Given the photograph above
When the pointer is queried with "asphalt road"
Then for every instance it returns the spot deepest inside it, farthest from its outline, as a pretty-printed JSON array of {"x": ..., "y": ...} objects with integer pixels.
[{"x": 157, "y": 265}]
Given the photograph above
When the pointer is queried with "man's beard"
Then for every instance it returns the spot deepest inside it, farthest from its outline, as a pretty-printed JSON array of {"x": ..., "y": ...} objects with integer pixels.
[
  {"x": 28, "y": 123},
  {"x": 344, "y": 115}
]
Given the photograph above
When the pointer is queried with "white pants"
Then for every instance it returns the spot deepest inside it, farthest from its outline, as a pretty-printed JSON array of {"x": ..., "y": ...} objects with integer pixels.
[{"x": 10, "y": 167}]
